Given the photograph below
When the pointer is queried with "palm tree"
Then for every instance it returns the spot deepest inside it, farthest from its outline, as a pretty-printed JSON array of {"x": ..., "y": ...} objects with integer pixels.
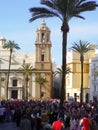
[
  {"x": 60, "y": 72},
  {"x": 64, "y": 10},
  {"x": 82, "y": 47},
  {"x": 41, "y": 80},
  {"x": 27, "y": 69},
  {"x": 11, "y": 45}
]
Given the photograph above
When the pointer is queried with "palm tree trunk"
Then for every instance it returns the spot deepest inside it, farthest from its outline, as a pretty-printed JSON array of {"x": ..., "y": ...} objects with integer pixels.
[
  {"x": 27, "y": 79},
  {"x": 65, "y": 29},
  {"x": 23, "y": 88},
  {"x": 8, "y": 74},
  {"x": 40, "y": 92},
  {"x": 23, "y": 92},
  {"x": 60, "y": 86},
  {"x": 81, "y": 95}
]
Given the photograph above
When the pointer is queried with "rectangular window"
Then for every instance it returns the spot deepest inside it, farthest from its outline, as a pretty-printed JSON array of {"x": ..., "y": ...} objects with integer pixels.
[
  {"x": 42, "y": 57},
  {"x": 14, "y": 82}
]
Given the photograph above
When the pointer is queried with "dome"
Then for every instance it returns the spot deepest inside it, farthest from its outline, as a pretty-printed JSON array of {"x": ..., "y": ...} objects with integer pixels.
[
  {"x": 2, "y": 38},
  {"x": 43, "y": 26}
]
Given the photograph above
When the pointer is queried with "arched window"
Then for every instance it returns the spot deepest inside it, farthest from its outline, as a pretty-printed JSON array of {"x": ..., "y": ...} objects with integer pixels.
[{"x": 43, "y": 37}]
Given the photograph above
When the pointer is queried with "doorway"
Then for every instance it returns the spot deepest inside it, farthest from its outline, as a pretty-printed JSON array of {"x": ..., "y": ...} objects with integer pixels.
[
  {"x": 87, "y": 97},
  {"x": 14, "y": 94}
]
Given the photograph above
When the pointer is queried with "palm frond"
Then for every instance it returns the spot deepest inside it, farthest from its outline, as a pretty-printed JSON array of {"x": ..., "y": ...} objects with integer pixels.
[
  {"x": 11, "y": 45},
  {"x": 41, "y": 80},
  {"x": 27, "y": 69},
  {"x": 59, "y": 71},
  {"x": 63, "y": 9},
  {"x": 82, "y": 47},
  {"x": 42, "y": 13},
  {"x": 76, "y": 7}
]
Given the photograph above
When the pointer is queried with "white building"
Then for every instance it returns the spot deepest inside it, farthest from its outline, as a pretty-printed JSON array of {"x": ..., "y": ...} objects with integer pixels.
[
  {"x": 94, "y": 79},
  {"x": 40, "y": 59}
]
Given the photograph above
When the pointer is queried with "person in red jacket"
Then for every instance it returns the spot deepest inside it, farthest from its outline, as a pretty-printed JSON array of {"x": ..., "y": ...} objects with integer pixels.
[
  {"x": 58, "y": 125},
  {"x": 85, "y": 123}
]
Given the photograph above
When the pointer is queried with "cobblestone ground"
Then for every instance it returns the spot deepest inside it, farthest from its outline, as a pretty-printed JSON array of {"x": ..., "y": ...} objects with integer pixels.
[{"x": 8, "y": 126}]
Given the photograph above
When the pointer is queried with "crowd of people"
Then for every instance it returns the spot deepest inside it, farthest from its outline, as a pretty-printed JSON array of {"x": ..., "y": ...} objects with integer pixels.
[{"x": 45, "y": 115}]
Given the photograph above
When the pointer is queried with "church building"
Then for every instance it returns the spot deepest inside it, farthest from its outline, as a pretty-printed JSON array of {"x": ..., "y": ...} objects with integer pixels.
[{"x": 40, "y": 60}]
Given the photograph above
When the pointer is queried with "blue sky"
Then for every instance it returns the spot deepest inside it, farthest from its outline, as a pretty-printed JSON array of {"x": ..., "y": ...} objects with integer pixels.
[{"x": 14, "y": 25}]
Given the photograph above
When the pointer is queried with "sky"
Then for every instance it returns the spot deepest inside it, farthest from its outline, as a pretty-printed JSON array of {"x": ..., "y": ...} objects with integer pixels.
[{"x": 15, "y": 25}]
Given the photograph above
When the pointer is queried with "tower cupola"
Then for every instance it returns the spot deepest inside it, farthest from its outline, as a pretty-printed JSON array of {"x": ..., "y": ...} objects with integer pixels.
[{"x": 2, "y": 41}]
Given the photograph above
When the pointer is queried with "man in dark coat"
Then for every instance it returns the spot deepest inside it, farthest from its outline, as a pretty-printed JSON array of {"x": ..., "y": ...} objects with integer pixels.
[{"x": 25, "y": 123}]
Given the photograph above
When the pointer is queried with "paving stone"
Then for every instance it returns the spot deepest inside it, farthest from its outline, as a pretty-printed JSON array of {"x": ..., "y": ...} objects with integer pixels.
[{"x": 8, "y": 126}]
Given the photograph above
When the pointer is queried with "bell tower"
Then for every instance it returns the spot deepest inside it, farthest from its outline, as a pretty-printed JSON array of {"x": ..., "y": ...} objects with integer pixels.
[
  {"x": 43, "y": 62},
  {"x": 43, "y": 48}
]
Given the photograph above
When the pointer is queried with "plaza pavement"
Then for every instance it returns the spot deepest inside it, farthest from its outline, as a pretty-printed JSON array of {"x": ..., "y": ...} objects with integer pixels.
[{"x": 8, "y": 126}]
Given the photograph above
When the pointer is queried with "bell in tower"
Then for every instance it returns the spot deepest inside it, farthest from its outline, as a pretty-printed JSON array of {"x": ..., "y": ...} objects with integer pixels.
[{"x": 43, "y": 33}]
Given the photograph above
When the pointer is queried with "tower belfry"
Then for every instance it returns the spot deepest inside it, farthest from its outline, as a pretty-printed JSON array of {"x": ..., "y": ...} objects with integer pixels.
[{"x": 43, "y": 48}]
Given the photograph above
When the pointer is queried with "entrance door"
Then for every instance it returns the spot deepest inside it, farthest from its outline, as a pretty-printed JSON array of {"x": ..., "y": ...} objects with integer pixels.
[
  {"x": 14, "y": 94},
  {"x": 87, "y": 97}
]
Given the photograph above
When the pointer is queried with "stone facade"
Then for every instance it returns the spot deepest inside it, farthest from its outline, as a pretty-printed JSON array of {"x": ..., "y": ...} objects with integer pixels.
[{"x": 40, "y": 60}]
